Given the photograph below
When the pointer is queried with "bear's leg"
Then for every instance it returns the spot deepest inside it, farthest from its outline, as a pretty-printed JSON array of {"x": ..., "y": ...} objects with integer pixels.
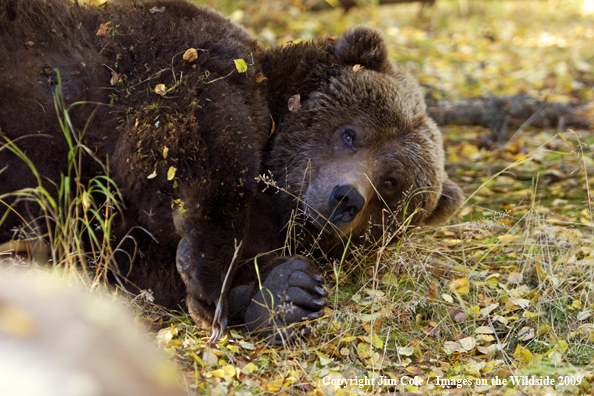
[
  {"x": 291, "y": 293},
  {"x": 197, "y": 306},
  {"x": 203, "y": 305}
]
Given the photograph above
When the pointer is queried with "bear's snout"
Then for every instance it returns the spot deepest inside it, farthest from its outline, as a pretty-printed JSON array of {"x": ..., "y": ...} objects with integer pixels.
[{"x": 345, "y": 202}]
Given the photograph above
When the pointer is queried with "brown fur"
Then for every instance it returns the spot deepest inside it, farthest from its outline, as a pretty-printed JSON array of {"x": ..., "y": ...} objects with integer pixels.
[{"x": 217, "y": 125}]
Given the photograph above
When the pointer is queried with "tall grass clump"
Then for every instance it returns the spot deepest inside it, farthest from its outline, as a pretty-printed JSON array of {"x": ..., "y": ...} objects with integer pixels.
[{"x": 74, "y": 224}]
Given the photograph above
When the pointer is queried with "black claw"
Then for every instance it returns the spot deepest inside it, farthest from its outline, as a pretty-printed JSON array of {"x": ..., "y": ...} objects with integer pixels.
[
  {"x": 315, "y": 315},
  {"x": 219, "y": 323},
  {"x": 320, "y": 302},
  {"x": 214, "y": 337},
  {"x": 304, "y": 331}
]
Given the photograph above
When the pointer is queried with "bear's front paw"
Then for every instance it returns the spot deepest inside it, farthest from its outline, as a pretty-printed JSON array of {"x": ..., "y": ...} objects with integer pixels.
[{"x": 291, "y": 293}]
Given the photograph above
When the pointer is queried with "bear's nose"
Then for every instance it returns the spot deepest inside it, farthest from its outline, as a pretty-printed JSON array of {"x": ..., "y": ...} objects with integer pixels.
[{"x": 345, "y": 202}]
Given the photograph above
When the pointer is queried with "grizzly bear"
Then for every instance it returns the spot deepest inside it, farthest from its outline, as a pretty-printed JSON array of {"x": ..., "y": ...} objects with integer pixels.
[{"x": 236, "y": 159}]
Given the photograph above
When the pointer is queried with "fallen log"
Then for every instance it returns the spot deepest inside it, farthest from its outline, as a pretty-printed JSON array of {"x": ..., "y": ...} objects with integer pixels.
[
  {"x": 348, "y": 4},
  {"x": 502, "y": 114}
]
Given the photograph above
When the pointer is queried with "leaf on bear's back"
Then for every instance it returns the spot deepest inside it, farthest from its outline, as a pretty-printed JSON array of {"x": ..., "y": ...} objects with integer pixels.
[
  {"x": 190, "y": 55},
  {"x": 240, "y": 65},
  {"x": 294, "y": 102},
  {"x": 103, "y": 28}
]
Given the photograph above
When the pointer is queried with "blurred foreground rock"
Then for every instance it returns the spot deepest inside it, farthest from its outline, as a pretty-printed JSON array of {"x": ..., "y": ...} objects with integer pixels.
[{"x": 60, "y": 340}]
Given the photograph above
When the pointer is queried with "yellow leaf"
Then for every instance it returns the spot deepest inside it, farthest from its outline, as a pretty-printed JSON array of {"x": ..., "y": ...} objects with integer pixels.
[
  {"x": 453, "y": 157},
  {"x": 247, "y": 345},
  {"x": 555, "y": 357},
  {"x": 507, "y": 238},
  {"x": 451, "y": 241},
  {"x": 447, "y": 298},
  {"x": 452, "y": 346},
  {"x": 260, "y": 77},
  {"x": 562, "y": 346},
  {"x": 220, "y": 373},
  {"x": 273, "y": 386},
  {"x": 171, "y": 173},
  {"x": 523, "y": 355},
  {"x": 492, "y": 282},
  {"x": 486, "y": 350},
  {"x": 364, "y": 350},
  {"x": 544, "y": 329},
  {"x": 468, "y": 343},
  {"x": 96, "y": 3},
  {"x": 377, "y": 342},
  {"x": 229, "y": 370},
  {"x": 484, "y": 330},
  {"x": 86, "y": 201},
  {"x": 515, "y": 277},
  {"x": 240, "y": 65},
  {"x": 102, "y": 31},
  {"x": 516, "y": 303},
  {"x": 165, "y": 152},
  {"x": 249, "y": 368},
  {"x": 190, "y": 55},
  {"x": 460, "y": 285},
  {"x": 584, "y": 315},
  {"x": 405, "y": 351},
  {"x": 389, "y": 279},
  {"x": 483, "y": 313},
  {"x": 530, "y": 315},
  {"x": 160, "y": 89},
  {"x": 414, "y": 370},
  {"x": 370, "y": 317},
  {"x": 115, "y": 78},
  {"x": 374, "y": 293},
  {"x": 469, "y": 149},
  {"x": 324, "y": 359},
  {"x": 526, "y": 333},
  {"x": 197, "y": 359},
  {"x": 152, "y": 175},
  {"x": 474, "y": 367},
  {"x": 209, "y": 357}
]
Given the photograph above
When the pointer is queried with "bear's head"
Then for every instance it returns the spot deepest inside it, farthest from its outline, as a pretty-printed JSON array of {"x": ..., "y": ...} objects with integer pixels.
[{"x": 361, "y": 155}]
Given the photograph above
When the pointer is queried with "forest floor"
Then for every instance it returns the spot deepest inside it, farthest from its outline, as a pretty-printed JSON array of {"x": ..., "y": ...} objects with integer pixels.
[
  {"x": 500, "y": 300},
  {"x": 502, "y": 294}
]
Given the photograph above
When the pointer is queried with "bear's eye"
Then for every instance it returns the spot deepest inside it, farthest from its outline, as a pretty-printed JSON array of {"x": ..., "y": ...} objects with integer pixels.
[
  {"x": 389, "y": 184},
  {"x": 349, "y": 137}
]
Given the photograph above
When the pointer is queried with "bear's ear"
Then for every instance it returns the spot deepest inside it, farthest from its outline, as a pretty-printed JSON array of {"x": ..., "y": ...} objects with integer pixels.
[
  {"x": 364, "y": 46},
  {"x": 449, "y": 201}
]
